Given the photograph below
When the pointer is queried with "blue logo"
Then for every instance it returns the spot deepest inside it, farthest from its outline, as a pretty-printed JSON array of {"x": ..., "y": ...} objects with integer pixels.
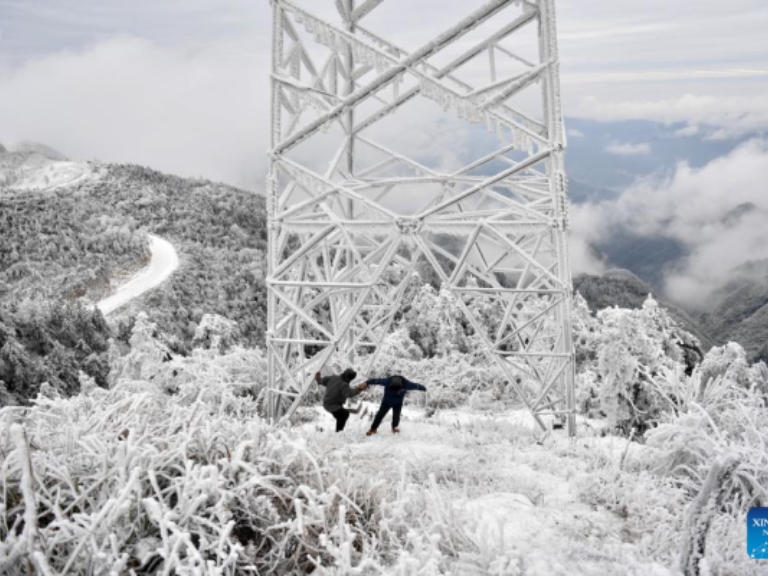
[{"x": 757, "y": 533}]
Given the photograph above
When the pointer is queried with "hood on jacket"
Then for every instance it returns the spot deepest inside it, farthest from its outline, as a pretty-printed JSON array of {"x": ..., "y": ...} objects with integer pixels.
[
  {"x": 396, "y": 383},
  {"x": 348, "y": 375}
]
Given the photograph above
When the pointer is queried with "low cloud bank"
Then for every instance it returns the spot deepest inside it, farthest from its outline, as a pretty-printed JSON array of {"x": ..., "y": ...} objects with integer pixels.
[
  {"x": 719, "y": 212},
  {"x": 714, "y": 117},
  {"x": 193, "y": 113}
]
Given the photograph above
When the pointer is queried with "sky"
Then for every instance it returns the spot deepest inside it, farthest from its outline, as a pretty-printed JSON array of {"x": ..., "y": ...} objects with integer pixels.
[
  {"x": 182, "y": 86},
  {"x": 183, "y": 82}
]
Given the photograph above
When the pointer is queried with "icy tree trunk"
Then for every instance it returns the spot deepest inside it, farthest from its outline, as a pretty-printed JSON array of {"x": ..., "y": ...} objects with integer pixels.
[{"x": 699, "y": 515}]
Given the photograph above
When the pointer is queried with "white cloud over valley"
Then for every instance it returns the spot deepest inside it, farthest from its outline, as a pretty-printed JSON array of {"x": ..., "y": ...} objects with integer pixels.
[
  {"x": 718, "y": 212},
  {"x": 628, "y": 149}
]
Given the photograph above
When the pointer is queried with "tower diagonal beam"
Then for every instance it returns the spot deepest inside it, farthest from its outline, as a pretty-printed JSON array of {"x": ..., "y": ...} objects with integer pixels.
[{"x": 354, "y": 206}]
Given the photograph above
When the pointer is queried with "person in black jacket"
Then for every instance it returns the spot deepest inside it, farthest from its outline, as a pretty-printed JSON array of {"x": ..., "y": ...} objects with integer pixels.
[
  {"x": 395, "y": 389},
  {"x": 337, "y": 391}
]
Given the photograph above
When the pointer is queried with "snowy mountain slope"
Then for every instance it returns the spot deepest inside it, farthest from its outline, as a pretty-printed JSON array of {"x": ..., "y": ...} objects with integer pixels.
[
  {"x": 177, "y": 471},
  {"x": 81, "y": 240},
  {"x": 740, "y": 310},
  {"x": 189, "y": 476},
  {"x": 36, "y": 167}
]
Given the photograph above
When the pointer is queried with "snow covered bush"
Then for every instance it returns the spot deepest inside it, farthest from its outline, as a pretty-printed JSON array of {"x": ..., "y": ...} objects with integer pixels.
[
  {"x": 715, "y": 419},
  {"x": 215, "y": 332},
  {"x": 622, "y": 352},
  {"x": 132, "y": 480},
  {"x": 703, "y": 467},
  {"x": 121, "y": 480},
  {"x": 243, "y": 371},
  {"x": 436, "y": 323},
  {"x": 649, "y": 507},
  {"x": 451, "y": 380},
  {"x": 730, "y": 362},
  {"x": 434, "y": 344}
]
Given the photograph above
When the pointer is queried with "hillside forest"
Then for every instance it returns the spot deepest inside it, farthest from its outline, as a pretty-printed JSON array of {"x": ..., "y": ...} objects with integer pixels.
[{"x": 170, "y": 394}]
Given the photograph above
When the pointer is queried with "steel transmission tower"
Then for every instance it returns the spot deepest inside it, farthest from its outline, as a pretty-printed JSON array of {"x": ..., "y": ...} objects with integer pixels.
[{"x": 355, "y": 206}]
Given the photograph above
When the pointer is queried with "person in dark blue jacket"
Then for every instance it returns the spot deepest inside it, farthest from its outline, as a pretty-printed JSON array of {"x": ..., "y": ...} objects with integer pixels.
[{"x": 395, "y": 389}]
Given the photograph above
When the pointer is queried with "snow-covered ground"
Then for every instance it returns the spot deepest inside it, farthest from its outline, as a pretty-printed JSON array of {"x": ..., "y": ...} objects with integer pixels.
[
  {"x": 34, "y": 168},
  {"x": 516, "y": 491},
  {"x": 164, "y": 262}
]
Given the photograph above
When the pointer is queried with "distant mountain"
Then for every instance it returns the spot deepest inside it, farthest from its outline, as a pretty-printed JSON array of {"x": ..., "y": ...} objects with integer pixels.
[
  {"x": 740, "y": 310},
  {"x": 623, "y": 289},
  {"x": 648, "y": 257},
  {"x": 31, "y": 166}
]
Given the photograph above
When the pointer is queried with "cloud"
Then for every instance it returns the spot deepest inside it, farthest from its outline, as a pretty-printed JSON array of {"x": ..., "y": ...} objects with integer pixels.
[
  {"x": 193, "y": 113},
  {"x": 574, "y": 133},
  {"x": 628, "y": 149},
  {"x": 719, "y": 212},
  {"x": 587, "y": 227},
  {"x": 732, "y": 116},
  {"x": 687, "y": 132},
  {"x": 189, "y": 99}
]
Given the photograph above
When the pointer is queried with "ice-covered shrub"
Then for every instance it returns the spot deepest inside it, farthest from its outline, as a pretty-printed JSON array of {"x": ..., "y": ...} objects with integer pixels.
[
  {"x": 649, "y": 506},
  {"x": 397, "y": 348},
  {"x": 436, "y": 323},
  {"x": 715, "y": 419},
  {"x": 451, "y": 380},
  {"x": 709, "y": 452},
  {"x": 730, "y": 362},
  {"x": 625, "y": 352},
  {"x": 216, "y": 332},
  {"x": 133, "y": 480},
  {"x": 122, "y": 480},
  {"x": 243, "y": 371}
]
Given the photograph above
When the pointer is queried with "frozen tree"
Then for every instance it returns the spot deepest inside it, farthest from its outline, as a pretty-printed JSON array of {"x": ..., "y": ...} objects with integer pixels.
[
  {"x": 147, "y": 353},
  {"x": 436, "y": 322},
  {"x": 619, "y": 354},
  {"x": 215, "y": 332},
  {"x": 730, "y": 362}
]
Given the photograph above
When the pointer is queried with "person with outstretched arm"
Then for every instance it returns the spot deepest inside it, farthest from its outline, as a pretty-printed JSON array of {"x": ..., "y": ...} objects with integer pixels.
[
  {"x": 337, "y": 391},
  {"x": 395, "y": 389}
]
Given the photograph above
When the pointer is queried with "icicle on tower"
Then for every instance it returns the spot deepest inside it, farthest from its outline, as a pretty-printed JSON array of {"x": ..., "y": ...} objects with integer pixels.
[{"x": 393, "y": 155}]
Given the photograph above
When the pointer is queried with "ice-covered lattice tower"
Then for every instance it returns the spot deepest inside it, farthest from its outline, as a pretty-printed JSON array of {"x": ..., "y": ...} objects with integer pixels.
[{"x": 394, "y": 153}]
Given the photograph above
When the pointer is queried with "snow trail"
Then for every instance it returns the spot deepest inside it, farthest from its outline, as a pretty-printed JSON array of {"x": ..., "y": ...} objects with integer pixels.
[{"x": 165, "y": 261}]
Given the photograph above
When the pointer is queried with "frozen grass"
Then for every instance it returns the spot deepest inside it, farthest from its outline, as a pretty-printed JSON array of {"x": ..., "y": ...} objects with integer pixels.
[
  {"x": 173, "y": 471},
  {"x": 130, "y": 480},
  {"x": 136, "y": 480}
]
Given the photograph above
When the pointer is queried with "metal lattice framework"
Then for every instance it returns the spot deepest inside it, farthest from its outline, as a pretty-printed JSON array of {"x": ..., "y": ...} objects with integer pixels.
[{"x": 351, "y": 217}]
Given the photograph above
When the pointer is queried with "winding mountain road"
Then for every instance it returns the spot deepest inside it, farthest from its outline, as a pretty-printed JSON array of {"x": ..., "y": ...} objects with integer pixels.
[{"x": 164, "y": 262}]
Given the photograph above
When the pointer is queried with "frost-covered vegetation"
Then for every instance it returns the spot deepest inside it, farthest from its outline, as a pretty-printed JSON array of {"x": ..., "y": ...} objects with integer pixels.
[
  {"x": 145, "y": 448},
  {"x": 50, "y": 343},
  {"x": 82, "y": 240},
  {"x": 173, "y": 469},
  {"x": 55, "y": 246}
]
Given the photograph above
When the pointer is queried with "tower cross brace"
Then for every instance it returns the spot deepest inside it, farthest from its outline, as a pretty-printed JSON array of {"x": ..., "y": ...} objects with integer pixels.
[{"x": 353, "y": 211}]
